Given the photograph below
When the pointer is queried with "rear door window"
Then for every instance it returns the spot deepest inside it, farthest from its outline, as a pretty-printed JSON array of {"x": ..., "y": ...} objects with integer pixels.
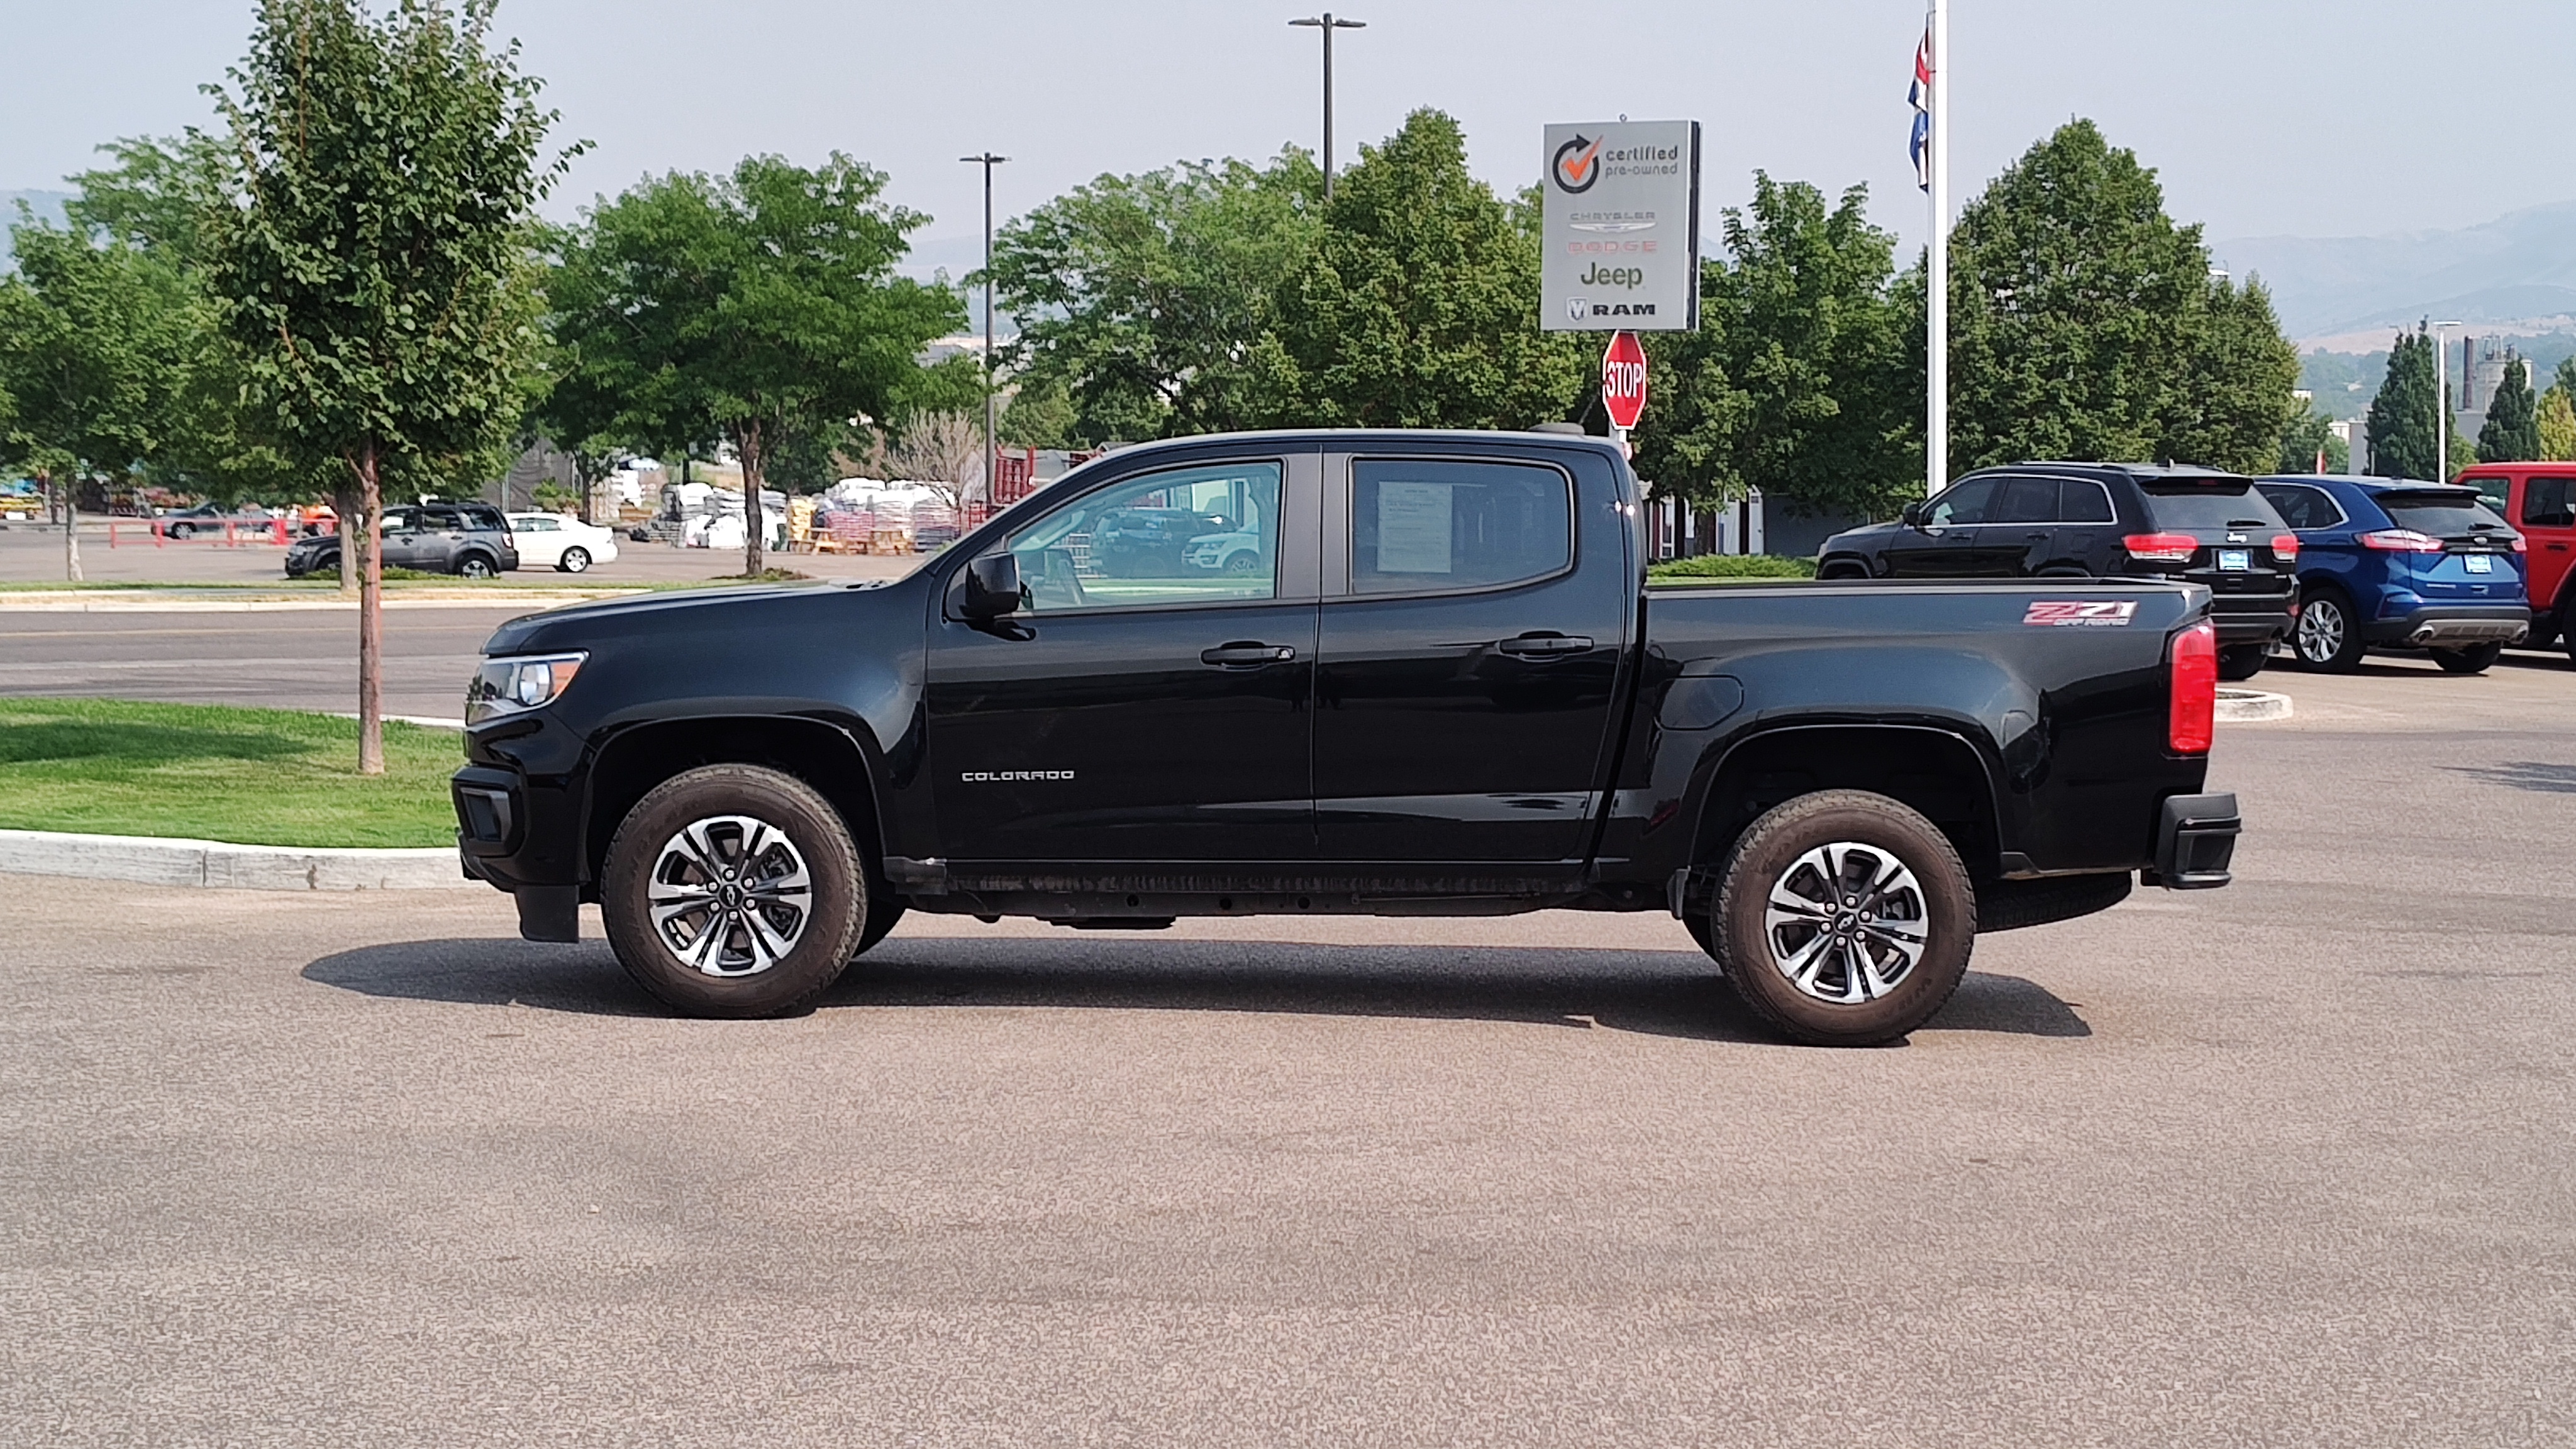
[
  {"x": 1420, "y": 525},
  {"x": 2026, "y": 500},
  {"x": 2302, "y": 506},
  {"x": 2443, "y": 515},
  {"x": 2210, "y": 507},
  {"x": 2549, "y": 503}
]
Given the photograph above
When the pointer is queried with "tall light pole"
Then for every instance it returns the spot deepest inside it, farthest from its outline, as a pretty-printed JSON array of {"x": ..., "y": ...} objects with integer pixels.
[
  {"x": 2442, "y": 401},
  {"x": 992, "y": 446},
  {"x": 1328, "y": 22}
]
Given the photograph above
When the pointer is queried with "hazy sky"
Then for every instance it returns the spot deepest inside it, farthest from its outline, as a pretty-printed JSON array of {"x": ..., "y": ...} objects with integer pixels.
[{"x": 2309, "y": 117}]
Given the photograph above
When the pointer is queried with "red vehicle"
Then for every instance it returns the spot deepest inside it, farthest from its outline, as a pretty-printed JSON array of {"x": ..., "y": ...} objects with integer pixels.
[{"x": 2540, "y": 499}]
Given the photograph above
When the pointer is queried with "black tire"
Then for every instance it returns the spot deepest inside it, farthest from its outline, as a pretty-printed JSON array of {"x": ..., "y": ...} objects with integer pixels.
[
  {"x": 2475, "y": 659},
  {"x": 183, "y": 530},
  {"x": 1245, "y": 562},
  {"x": 2326, "y": 635},
  {"x": 476, "y": 566},
  {"x": 2243, "y": 661},
  {"x": 573, "y": 560},
  {"x": 884, "y": 911},
  {"x": 1938, "y": 908},
  {"x": 649, "y": 844}
]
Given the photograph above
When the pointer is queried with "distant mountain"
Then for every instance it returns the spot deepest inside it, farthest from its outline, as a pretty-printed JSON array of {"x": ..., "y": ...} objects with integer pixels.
[
  {"x": 48, "y": 206},
  {"x": 2515, "y": 268}
]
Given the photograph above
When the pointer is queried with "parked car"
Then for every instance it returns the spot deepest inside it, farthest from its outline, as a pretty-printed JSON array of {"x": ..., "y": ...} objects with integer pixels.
[
  {"x": 1150, "y": 542},
  {"x": 2392, "y": 564},
  {"x": 560, "y": 541},
  {"x": 1238, "y": 552},
  {"x": 2099, "y": 520},
  {"x": 471, "y": 539},
  {"x": 1456, "y": 696},
  {"x": 183, "y": 523},
  {"x": 2540, "y": 500}
]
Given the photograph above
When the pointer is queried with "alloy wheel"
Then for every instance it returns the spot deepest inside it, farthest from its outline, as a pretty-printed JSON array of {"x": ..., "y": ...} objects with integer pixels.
[
  {"x": 2321, "y": 631},
  {"x": 730, "y": 895},
  {"x": 1846, "y": 923}
]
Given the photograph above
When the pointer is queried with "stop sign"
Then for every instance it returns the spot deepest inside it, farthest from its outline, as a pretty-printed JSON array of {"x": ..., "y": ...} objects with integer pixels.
[{"x": 1623, "y": 380}]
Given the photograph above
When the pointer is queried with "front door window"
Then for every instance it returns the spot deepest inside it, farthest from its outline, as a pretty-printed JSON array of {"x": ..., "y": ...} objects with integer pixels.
[{"x": 1208, "y": 534}]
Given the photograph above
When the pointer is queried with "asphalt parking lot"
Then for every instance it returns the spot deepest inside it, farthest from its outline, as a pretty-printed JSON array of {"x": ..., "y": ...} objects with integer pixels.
[{"x": 2281, "y": 1164}]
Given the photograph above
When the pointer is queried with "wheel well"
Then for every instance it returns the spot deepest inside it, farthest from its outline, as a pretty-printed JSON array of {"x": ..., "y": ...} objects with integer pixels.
[
  {"x": 1842, "y": 565},
  {"x": 632, "y": 763},
  {"x": 1937, "y": 773}
]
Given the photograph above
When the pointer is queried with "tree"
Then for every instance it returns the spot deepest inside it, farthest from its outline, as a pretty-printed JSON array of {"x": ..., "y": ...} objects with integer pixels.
[
  {"x": 374, "y": 274},
  {"x": 2406, "y": 411},
  {"x": 2511, "y": 433},
  {"x": 1418, "y": 306},
  {"x": 2308, "y": 436},
  {"x": 1039, "y": 415},
  {"x": 2556, "y": 425},
  {"x": 2085, "y": 324},
  {"x": 756, "y": 306},
  {"x": 1795, "y": 382},
  {"x": 1143, "y": 298},
  {"x": 92, "y": 338}
]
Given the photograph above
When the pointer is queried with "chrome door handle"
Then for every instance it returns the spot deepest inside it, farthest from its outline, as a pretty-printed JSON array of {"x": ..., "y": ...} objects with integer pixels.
[
  {"x": 1247, "y": 654},
  {"x": 1546, "y": 646}
]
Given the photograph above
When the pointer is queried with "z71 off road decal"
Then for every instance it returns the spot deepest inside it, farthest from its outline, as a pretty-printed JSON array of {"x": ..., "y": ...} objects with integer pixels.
[{"x": 2082, "y": 613}]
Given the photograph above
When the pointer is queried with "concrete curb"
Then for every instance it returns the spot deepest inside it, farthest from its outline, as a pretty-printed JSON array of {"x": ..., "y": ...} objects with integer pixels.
[
  {"x": 59, "y": 603},
  {"x": 2251, "y": 706},
  {"x": 160, "y": 860}
]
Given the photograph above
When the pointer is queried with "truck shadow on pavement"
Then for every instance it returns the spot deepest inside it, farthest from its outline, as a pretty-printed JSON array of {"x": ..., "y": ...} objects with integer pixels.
[
  {"x": 2536, "y": 775},
  {"x": 1663, "y": 993}
]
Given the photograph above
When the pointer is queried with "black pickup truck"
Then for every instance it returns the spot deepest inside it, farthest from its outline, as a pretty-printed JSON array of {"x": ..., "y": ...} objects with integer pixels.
[{"x": 1442, "y": 687}]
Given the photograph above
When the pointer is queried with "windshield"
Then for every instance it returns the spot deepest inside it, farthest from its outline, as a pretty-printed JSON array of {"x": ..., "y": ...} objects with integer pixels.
[
  {"x": 2231, "y": 504},
  {"x": 2443, "y": 515}
]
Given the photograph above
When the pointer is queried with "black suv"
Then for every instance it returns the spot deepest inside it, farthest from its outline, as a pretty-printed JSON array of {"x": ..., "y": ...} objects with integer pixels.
[
  {"x": 472, "y": 539},
  {"x": 2100, "y": 520}
]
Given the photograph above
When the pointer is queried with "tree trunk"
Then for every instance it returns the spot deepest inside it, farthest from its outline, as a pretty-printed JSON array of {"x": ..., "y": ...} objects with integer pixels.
[
  {"x": 371, "y": 613},
  {"x": 71, "y": 531},
  {"x": 754, "y": 523},
  {"x": 344, "y": 504}
]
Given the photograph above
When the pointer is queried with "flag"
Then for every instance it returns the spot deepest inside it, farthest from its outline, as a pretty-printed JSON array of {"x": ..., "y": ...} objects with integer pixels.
[{"x": 1920, "y": 94}]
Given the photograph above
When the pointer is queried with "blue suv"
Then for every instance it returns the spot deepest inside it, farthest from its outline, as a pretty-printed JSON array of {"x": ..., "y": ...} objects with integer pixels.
[{"x": 2388, "y": 563}]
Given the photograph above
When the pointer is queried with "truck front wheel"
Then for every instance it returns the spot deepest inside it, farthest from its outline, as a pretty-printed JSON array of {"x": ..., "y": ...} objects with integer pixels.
[
  {"x": 1844, "y": 918},
  {"x": 734, "y": 891}
]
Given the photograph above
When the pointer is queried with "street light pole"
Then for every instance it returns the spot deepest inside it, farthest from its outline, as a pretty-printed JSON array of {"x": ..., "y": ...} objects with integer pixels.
[
  {"x": 2442, "y": 401},
  {"x": 992, "y": 446},
  {"x": 1328, "y": 22}
]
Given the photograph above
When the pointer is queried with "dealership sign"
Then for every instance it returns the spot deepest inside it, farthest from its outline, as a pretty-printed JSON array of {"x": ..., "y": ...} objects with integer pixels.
[{"x": 1622, "y": 227}]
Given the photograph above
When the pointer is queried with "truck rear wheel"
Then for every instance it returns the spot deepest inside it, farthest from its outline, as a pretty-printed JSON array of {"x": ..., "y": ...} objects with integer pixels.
[
  {"x": 1844, "y": 918},
  {"x": 734, "y": 891}
]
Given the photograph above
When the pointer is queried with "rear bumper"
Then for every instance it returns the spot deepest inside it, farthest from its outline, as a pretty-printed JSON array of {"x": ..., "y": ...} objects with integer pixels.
[
  {"x": 2196, "y": 842},
  {"x": 2442, "y": 626},
  {"x": 2261, "y": 620}
]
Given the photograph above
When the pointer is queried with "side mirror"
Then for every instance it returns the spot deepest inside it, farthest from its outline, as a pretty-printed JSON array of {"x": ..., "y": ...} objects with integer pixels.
[
  {"x": 1913, "y": 515},
  {"x": 992, "y": 587}
]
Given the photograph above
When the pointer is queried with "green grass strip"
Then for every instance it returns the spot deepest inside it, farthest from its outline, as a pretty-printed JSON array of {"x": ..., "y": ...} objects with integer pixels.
[
  {"x": 212, "y": 772},
  {"x": 1730, "y": 568}
]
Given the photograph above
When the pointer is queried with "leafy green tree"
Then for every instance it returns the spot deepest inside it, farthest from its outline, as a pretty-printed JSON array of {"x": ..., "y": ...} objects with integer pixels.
[
  {"x": 2511, "y": 433},
  {"x": 2085, "y": 324},
  {"x": 2406, "y": 411},
  {"x": 374, "y": 274},
  {"x": 1418, "y": 306},
  {"x": 1039, "y": 415},
  {"x": 1142, "y": 298},
  {"x": 1795, "y": 382},
  {"x": 2308, "y": 435},
  {"x": 757, "y": 306},
  {"x": 2556, "y": 425},
  {"x": 92, "y": 338}
]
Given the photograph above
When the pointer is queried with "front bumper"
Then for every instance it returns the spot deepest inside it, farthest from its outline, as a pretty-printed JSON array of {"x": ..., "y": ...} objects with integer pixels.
[{"x": 2451, "y": 626}]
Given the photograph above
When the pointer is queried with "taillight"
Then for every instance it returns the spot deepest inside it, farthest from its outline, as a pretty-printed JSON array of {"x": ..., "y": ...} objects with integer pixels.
[
  {"x": 2194, "y": 721},
  {"x": 2401, "y": 540},
  {"x": 2162, "y": 547},
  {"x": 2519, "y": 546},
  {"x": 2285, "y": 547}
]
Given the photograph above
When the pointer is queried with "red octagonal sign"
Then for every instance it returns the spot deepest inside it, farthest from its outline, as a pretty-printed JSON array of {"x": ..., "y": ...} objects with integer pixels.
[{"x": 1623, "y": 380}]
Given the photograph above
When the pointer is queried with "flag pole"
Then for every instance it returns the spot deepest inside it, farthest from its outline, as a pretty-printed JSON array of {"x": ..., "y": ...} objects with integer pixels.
[{"x": 1936, "y": 312}]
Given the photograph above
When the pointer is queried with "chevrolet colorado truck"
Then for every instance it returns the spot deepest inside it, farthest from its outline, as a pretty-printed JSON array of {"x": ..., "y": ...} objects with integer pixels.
[{"x": 1441, "y": 686}]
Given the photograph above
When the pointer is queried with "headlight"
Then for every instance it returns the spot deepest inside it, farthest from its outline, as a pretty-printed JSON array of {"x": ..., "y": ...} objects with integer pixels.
[{"x": 508, "y": 686}]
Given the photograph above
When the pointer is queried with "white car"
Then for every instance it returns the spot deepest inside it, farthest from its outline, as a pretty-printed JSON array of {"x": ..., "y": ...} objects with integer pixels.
[{"x": 559, "y": 541}]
